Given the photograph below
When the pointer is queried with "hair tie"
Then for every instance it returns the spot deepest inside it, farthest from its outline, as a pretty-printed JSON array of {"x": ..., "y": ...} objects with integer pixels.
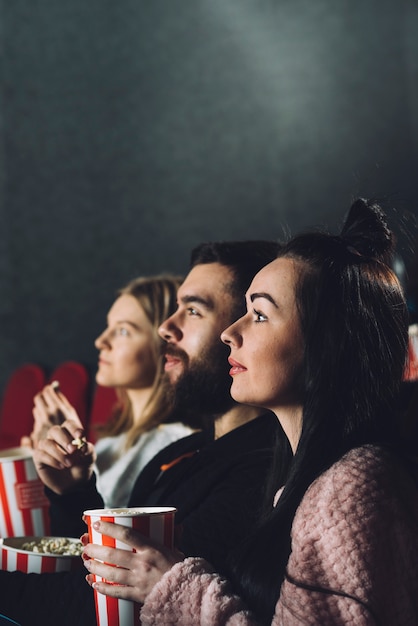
[
  {"x": 344, "y": 247},
  {"x": 353, "y": 250}
]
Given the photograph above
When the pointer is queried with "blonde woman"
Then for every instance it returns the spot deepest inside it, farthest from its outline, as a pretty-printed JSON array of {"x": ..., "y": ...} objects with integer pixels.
[{"x": 142, "y": 422}]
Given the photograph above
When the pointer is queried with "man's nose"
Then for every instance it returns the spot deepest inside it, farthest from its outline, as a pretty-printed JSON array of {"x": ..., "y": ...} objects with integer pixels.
[{"x": 169, "y": 330}]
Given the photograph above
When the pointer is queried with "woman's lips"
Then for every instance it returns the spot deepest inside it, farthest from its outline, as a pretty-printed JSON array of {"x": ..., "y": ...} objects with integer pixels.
[{"x": 236, "y": 368}]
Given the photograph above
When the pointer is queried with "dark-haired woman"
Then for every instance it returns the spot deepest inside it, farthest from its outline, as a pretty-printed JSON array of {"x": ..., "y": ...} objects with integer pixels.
[{"x": 323, "y": 345}]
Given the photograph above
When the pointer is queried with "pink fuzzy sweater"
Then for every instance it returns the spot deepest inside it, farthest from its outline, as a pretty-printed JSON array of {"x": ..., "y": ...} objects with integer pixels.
[{"x": 355, "y": 531}]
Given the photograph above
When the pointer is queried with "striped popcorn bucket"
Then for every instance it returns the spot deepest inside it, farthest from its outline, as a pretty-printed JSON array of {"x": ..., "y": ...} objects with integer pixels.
[
  {"x": 15, "y": 558},
  {"x": 154, "y": 522},
  {"x": 23, "y": 505}
]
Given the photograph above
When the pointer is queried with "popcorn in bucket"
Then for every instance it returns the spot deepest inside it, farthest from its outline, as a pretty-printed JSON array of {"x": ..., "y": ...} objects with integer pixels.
[{"x": 38, "y": 555}]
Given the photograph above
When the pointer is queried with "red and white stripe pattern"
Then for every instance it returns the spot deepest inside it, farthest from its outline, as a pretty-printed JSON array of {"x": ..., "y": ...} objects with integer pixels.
[
  {"x": 35, "y": 563},
  {"x": 23, "y": 505},
  {"x": 156, "y": 523}
]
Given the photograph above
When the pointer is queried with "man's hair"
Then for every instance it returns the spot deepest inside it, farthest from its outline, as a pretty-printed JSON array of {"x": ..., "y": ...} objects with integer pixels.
[{"x": 243, "y": 258}]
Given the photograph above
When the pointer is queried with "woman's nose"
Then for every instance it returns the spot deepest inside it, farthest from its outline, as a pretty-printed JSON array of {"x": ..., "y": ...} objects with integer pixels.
[
  {"x": 101, "y": 340},
  {"x": 227, "y": 337},
  {"x": 231, "y": 335}
]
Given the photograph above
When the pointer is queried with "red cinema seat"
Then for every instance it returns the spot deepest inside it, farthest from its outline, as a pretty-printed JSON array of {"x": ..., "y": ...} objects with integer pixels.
[
  {"x": 103, "y": 403},
  {"x": 16, "y": 419},
  {"x": 411, "y": 372},
  {"x": 74, "y": 381}
]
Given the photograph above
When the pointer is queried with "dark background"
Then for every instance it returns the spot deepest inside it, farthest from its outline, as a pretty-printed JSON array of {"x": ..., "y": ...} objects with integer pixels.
[{"x": 131, "y": 131}]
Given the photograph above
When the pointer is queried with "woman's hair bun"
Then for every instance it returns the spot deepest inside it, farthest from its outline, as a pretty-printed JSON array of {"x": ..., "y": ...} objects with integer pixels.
[{"x": 366, "y": 231}]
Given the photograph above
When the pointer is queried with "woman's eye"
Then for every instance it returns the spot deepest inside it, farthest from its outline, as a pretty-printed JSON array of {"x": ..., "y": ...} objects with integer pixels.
[
  {"x": 259, "y": 317},
  {"x": 123, "y": 332}
]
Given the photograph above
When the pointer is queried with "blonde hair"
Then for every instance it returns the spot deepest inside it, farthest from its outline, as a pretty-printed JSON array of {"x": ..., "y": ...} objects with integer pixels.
[{"x": 157, "y": 296}]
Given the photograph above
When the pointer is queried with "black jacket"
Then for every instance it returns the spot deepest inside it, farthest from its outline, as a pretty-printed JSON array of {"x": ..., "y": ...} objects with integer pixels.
[{"x": 218, "y": 490}]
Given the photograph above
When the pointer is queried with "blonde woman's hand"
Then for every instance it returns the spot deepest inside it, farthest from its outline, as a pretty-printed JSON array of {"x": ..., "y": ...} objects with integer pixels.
[
  {"x": 135, "y": 573},
  {"x": 64, "y": 458},
  {"x": 51, "y": 407}
]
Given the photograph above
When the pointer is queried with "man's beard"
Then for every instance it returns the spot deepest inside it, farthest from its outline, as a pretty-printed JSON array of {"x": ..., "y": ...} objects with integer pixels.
[{"x": 203, "y": 389}]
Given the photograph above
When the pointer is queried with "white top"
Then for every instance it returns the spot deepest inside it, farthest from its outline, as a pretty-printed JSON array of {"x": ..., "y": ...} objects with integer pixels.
[{"x": 117, "y": 469}]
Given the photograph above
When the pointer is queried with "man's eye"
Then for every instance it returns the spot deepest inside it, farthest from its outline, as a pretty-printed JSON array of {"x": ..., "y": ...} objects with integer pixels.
[
  {"x": 192, "y": 311},
  {"x": 259, "y": 317}
]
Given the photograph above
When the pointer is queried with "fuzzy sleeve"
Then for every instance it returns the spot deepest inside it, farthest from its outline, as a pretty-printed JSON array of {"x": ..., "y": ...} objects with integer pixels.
[
  {"x": 191, "y": 594},
  {"x": 354, "y": 557}
]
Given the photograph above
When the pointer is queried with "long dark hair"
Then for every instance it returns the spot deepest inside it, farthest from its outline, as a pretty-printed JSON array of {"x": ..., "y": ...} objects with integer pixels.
[{"x": 354, "y": 323}]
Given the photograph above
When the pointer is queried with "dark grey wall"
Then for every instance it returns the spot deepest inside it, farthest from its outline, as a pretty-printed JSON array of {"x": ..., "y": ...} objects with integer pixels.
[{"x": 131, "y": 131}]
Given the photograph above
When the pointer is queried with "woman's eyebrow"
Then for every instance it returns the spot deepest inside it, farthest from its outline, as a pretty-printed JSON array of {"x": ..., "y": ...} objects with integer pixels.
[
  {"x": 130, "y": 323},
  {"x": 264, "y": 295}
]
